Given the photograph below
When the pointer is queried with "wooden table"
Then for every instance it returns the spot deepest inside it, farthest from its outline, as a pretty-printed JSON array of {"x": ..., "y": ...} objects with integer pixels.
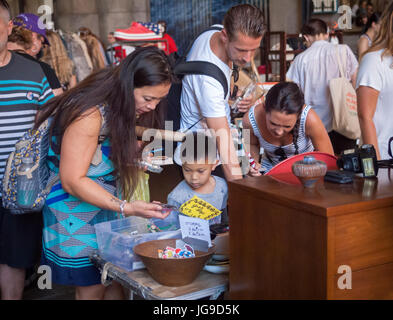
[
  {"x": 287, "y": 242},
  {"x": 140, "y": 282}
]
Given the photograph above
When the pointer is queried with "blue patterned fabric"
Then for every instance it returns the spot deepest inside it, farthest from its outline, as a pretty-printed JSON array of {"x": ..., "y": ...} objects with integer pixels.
[{"x": 69, "y": 235}]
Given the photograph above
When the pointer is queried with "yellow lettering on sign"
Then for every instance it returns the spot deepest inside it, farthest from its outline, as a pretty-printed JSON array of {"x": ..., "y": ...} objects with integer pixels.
[{"x": 198, "y": 208}]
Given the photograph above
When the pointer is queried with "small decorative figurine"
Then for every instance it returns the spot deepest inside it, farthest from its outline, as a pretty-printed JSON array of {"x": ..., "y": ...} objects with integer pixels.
[{"x": 309, "y": 171}]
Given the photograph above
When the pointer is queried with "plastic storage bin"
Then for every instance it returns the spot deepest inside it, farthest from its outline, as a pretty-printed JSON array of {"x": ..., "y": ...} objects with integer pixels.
[{"x": 117, "y": 238}]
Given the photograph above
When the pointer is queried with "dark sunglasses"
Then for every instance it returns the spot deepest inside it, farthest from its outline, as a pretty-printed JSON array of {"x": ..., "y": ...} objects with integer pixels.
[
  {"x": 390, "y": 147},
  {"x": 235, "y": 75},
  {"x": 281, "y": 153}
]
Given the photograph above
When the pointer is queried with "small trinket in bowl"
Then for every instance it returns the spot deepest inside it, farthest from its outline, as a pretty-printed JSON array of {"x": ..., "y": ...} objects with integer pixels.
[{"x": 309, "y": 171}]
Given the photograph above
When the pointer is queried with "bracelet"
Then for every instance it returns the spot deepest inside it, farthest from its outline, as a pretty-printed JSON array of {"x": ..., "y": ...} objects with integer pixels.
[{"x": 122, "y": 204}]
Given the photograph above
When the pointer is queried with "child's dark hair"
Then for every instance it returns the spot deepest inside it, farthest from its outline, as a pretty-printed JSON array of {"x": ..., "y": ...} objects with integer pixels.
[
  {"x": 199, "y": 147},
  {"x": 286, "y": 97}
]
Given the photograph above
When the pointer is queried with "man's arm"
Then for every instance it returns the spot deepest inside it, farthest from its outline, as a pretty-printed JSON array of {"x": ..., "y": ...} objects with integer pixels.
[
  {"x": 58, "y": 91},
  {"x": 353, "y": 79},
  {"x": 209, "y": 97},
  {"x": 226, "y": 147}
]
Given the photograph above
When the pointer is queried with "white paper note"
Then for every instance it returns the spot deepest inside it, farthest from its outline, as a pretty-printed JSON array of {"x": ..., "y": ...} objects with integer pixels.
[{"x": 195, "y": 228}]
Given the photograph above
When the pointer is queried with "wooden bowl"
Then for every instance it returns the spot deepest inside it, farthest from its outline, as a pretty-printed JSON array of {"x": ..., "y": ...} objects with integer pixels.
[
  {"x": 171, "y": 272},
  {"x": 309, "y": 170}
]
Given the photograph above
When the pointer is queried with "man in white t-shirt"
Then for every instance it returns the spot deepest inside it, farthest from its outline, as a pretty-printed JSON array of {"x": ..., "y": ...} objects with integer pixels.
[
  {"x": 314, "y": 68},
  {"x": 203, "y": 104}
]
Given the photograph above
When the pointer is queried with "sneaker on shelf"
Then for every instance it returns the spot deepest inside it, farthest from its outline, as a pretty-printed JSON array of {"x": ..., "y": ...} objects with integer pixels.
[
  {"x": 135, "y": 32},
  {"x": 151, "y": 26}
]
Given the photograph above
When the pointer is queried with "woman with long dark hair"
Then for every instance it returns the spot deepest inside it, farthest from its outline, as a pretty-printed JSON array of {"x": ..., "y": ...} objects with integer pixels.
[
  {"x": 284, "y": 126},
  {"x": 93, "y": 150},
  {"x": 370, "y": 33}
]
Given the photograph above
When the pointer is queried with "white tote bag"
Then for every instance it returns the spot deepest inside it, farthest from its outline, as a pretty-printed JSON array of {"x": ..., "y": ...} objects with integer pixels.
[{"x": 344, "y": 102}]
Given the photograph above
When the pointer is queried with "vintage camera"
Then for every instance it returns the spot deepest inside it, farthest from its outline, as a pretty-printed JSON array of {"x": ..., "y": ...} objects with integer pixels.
[{"x": 360, "y": 160}]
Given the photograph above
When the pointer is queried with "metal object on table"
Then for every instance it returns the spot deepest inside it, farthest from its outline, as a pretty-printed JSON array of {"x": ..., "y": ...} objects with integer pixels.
[{"x": 139, "y": 282}]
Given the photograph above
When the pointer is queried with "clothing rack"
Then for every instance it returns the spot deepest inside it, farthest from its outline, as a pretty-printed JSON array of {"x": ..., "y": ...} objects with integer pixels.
[{"x": 280, "y": 56}]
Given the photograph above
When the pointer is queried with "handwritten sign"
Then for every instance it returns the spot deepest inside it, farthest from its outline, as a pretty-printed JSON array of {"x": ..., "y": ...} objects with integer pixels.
[
  {"x": 198, "y": 208},
  {"x": 195, "y": 228}
]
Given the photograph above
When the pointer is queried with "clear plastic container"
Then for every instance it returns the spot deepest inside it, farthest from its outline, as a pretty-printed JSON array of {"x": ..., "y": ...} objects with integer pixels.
[
  {"x": 27, "y": 186},
  {"x": 117, "y": 238},
  {"x": 150, "y": 166}
]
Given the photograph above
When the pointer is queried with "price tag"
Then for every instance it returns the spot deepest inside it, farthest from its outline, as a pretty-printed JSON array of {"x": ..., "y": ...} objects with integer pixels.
[{"x": 198, "y": 208}]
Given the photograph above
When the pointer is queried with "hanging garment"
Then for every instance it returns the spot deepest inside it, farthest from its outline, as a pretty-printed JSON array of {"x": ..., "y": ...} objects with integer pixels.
[
  {"x": 96, "y": 52},
  {"x": 56, "y": 56},
  {"x": 78, "y": 53}
]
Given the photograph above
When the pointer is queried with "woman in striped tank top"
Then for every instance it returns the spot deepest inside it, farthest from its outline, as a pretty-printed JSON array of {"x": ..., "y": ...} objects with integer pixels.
[{"x": 284, "y": 126}]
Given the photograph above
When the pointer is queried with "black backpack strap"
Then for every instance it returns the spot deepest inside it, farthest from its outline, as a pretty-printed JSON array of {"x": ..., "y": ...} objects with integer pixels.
[
  {"x": 181, "y": 68},
  {"x": 217, "y": 28},
  {"x": 203, "y": 68}
]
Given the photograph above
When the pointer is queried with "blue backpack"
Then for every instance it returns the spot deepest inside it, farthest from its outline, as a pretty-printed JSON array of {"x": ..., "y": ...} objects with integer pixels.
[{"x": 33, "y": 144}]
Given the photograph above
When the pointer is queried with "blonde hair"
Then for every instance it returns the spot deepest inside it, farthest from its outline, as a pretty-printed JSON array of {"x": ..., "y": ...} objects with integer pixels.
[
  {"x": 93, "y": 47},
  {"x": 93, "y": 44},
  {"x": 384, "y": 39},
  {"x": 56, "y": 56}
]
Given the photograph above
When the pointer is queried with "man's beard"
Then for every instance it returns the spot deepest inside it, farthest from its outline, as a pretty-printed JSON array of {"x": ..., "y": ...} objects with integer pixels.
[{"x": 240, "y": 63}]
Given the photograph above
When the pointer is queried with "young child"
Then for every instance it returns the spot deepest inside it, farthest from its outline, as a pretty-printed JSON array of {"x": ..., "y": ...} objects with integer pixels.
[{"x": 199, "y": 159}]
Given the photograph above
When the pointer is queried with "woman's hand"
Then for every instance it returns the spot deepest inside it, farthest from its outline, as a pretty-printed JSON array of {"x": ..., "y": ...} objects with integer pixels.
[{"x": 144, "y": 209}]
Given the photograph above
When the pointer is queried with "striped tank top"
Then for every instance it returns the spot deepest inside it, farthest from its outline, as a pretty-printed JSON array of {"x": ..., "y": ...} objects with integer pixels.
[{"x": 269, "y": 158}]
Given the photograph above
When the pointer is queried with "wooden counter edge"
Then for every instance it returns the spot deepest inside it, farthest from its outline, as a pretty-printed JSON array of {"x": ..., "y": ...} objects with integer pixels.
[{"x": 323, "y": 211}]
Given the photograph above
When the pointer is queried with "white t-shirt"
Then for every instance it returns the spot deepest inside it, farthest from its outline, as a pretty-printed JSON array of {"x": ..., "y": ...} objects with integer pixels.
[
  {"x": 313, "y": 69},
  {"x": 377, "y": 73},
  {"x": 203, "y": 96}
]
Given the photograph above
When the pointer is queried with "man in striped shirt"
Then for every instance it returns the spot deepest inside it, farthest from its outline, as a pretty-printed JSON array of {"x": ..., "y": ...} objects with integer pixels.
[{"x": 23, "y": 90}]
